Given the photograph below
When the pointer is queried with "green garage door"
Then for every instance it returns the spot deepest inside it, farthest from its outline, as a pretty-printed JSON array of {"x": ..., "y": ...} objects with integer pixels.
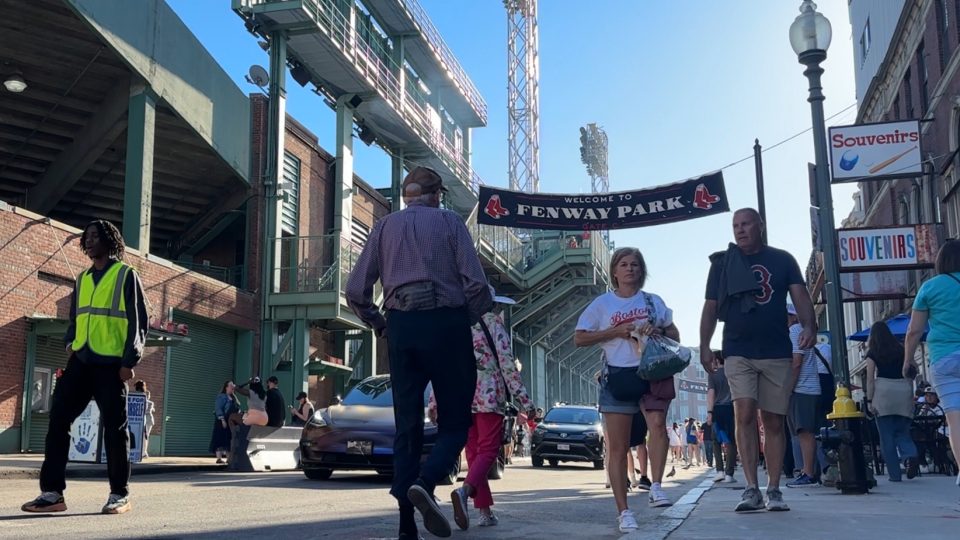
[
  {"x": 197, "y": 371},
  {"x": 50, "y": 355}
]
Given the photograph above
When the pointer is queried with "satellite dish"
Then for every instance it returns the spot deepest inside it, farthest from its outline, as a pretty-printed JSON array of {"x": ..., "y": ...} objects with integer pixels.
[{"x": 258, "y": 76}]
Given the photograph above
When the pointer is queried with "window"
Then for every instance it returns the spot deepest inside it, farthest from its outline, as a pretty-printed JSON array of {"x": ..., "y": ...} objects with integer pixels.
[
  {"x": 701, "y": 397},
  {"x": 943, "y": 23},
  {"x": 682, "y": 395},
  {"x": 865, "y": 42},
  {"x": 702, "y": 412},
  {"x": 290, "y": 212},
  {"x": 908, "y": 93},
  {"x": 360, "y": 232},
  {"x": 924, "y": 76}
]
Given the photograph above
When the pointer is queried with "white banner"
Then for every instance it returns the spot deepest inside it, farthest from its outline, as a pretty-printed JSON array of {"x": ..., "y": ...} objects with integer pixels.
[{"x": 868, "y": 151}]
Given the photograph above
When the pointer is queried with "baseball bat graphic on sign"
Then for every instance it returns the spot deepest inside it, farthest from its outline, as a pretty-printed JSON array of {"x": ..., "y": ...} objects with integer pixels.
[{"x": 885, "y": 163}]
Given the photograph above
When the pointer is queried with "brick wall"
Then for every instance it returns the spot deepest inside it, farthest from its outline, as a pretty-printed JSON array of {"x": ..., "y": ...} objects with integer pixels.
[{"x": 38, "y": 260}]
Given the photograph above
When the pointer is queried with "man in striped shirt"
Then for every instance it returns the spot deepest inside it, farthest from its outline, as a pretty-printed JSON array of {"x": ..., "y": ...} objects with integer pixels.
[
  {"x": 804, "y": 414},
  {"x": 434, "y": 291}
]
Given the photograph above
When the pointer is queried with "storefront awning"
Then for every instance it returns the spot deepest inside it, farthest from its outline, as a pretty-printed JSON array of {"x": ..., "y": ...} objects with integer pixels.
[{"x": 47, "y": 325}]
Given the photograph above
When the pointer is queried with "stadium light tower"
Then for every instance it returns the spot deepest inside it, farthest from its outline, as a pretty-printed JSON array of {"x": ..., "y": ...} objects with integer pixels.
[{"x": 523, "y": 95}]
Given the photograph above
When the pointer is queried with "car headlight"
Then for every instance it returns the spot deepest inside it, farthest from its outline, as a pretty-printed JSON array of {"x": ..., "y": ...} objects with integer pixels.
[{"x": 591, "y": 434}]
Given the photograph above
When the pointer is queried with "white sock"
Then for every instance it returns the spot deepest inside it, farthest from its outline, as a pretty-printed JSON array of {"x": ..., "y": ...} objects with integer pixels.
[{"x": 655, "y": 485}]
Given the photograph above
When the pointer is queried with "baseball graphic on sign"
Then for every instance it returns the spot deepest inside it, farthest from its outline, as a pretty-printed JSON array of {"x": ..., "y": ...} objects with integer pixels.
[{"x": 849, "y": 160}]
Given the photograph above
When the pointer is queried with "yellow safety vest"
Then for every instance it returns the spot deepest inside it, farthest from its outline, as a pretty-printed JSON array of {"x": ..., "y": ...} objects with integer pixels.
[{"x": 101, "y": 322}]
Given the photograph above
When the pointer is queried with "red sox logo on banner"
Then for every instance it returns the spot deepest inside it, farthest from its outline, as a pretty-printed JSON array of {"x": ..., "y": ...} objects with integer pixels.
[{"x": 690, "y": 199}]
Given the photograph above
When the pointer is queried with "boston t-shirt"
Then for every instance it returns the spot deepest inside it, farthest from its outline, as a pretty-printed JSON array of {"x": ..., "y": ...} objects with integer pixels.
[
  {"x": 762, "y": 332},
  {"x": 609, "y": 310}
]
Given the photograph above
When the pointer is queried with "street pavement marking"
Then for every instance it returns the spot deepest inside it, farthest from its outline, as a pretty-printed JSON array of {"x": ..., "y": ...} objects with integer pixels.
[{"x": 672, "y": 517}]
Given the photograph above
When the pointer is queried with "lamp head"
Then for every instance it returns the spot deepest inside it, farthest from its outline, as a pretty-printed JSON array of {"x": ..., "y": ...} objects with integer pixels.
[
  {"x": 14, "y": 82},
  {"x": 810, "y": 31}
]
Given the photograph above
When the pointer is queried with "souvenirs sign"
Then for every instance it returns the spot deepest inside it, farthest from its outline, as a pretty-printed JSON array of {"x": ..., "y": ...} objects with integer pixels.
[
  {"x": 875, "y": 151},
  {"x": 690, "y": 199}
]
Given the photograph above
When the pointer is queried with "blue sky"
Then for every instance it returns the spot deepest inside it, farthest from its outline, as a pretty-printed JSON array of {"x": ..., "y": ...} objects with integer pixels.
[{"x": 681, "y": 88}]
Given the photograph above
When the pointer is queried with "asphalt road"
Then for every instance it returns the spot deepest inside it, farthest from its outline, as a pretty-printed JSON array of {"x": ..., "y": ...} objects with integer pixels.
[{"x": 567, "y": 502}]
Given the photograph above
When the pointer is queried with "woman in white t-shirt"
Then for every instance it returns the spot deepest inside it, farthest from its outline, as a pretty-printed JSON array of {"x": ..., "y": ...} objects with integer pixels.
[{"x": 609, "y": 322}]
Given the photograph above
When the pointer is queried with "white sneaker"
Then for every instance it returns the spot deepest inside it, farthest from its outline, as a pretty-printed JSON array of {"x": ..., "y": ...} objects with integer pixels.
[
  {"x": 628, "y": 523},
  {"x": 729, "y": 479},
  {"x": 719, "y": 477},
  {"x": 658, "y": 499}
]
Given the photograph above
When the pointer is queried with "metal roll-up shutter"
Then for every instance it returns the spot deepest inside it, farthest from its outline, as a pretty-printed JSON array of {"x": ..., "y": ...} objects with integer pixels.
[
  {"x": 49, "y": 356},
  {"x": 197, "y": 371}
]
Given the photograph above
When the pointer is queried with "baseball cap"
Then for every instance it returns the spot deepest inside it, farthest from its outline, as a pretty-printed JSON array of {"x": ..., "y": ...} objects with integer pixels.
[
  {"x": 791, "y": 310},
  {"x": 501, "y": 299},
  {"x": 929, "y": 390},
  {"x": 427, "y": 178}
]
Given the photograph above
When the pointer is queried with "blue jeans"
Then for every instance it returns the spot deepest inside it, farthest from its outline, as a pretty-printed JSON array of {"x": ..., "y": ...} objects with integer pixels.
[{"x": 895, "y": 435}]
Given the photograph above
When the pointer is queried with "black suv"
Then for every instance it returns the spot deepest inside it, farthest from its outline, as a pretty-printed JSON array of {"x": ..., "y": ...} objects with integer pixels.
[{"x": 568, "y": 433}]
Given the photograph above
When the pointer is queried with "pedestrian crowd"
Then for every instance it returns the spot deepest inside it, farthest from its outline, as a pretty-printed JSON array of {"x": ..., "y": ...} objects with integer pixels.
[{"x": 769, "y": 386}]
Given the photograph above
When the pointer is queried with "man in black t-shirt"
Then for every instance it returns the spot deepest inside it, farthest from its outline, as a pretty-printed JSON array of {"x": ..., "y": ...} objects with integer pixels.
[
  {"x": 275, "y": 405},
  {"x": 747, "y": 289}
]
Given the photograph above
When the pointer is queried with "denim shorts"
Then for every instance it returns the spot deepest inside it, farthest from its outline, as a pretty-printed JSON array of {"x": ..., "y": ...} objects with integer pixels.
[
  {"x": 657, "y": 399},
  {"x": 946, "y": 381}
]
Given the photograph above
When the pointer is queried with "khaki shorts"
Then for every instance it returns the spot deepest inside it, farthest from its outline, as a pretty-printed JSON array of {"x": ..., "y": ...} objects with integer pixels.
[{"x": 768, "y": 381}]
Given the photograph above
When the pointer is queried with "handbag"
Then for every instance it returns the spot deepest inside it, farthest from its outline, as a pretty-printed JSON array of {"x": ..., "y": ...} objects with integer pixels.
[
  {"x": 662, "y": 358},
  {"x": 508, "y": 424},
  {"x": 625, "y": 384}
]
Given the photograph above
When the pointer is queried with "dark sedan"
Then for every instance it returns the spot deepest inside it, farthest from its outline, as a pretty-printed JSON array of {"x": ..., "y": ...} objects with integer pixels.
[
  {"x": 568, "y": 433},
  {"x": 357, "y": 434}
]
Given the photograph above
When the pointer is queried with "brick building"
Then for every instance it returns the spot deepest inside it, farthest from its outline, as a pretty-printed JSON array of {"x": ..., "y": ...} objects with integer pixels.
[{"x": 908, "y": 53}]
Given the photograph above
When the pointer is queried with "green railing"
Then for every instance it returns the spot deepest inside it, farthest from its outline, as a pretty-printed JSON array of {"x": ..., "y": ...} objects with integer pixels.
[
  {"x": 232, "y": 275},
  {"x": 312, "y": 264},
  {"x": 371, "y": 55}
]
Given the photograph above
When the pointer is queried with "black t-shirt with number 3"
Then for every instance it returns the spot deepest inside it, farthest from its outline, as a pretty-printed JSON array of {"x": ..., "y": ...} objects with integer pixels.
[{"x": 762, "y": 332}]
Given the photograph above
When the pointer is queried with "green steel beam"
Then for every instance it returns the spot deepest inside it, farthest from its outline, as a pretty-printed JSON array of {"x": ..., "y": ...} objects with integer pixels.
[
  {"x": 271, "y": 176},
  {"x": 572, "y": 311},
  {"x": 138, "y": 180},
  {"x": 563, "y": 289}
]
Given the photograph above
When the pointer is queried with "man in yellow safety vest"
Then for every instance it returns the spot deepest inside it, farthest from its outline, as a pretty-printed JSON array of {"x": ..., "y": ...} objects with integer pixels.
[{"x": 108, "y": 329}]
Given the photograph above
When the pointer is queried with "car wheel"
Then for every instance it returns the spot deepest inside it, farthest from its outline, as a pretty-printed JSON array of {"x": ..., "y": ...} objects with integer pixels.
[
  {"x": 537, "y": 462},
  {"x": 553, "y": 463},
  {"x": 318, "y": 474},
  {"x": 598, "y": 465},
  {"x": 496, "y": 471}
]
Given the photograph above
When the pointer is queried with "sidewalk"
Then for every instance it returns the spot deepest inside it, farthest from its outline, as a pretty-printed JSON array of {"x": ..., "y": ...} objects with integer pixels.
[
  {"x": 28, "y": 466},
  {"x": 927, "y": 506}
]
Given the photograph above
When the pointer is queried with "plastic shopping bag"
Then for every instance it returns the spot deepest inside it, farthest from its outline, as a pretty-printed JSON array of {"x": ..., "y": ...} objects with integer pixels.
[{"x": 661, "y": 357}]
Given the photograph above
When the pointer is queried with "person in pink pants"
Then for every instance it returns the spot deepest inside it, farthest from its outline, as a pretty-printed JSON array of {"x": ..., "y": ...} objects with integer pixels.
[{"x": 498, "y": 385}]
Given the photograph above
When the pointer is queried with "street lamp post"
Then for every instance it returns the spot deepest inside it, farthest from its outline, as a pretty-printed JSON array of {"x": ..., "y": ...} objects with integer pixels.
[{"x": 810, "y": 37}]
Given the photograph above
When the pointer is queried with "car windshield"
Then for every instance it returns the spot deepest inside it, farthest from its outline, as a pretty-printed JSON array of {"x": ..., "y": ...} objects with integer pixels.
[
  {"x": 374, "y": 392},
  {"x": 572, "y": 416}
]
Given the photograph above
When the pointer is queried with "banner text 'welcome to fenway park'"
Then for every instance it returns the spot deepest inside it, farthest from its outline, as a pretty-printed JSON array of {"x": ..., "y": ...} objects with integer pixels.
[{"x": 689, "y": 199}]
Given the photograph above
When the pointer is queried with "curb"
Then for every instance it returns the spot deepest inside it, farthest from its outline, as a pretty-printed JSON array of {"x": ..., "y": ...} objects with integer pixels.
[{"x": 21, "y": 473}]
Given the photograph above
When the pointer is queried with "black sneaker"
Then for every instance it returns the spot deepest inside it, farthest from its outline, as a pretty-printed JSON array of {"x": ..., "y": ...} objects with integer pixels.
[
  {"x": 48, "y": 501},
  {"x": 644, "y": 484},
  {"x": 433, "y": 518}
]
